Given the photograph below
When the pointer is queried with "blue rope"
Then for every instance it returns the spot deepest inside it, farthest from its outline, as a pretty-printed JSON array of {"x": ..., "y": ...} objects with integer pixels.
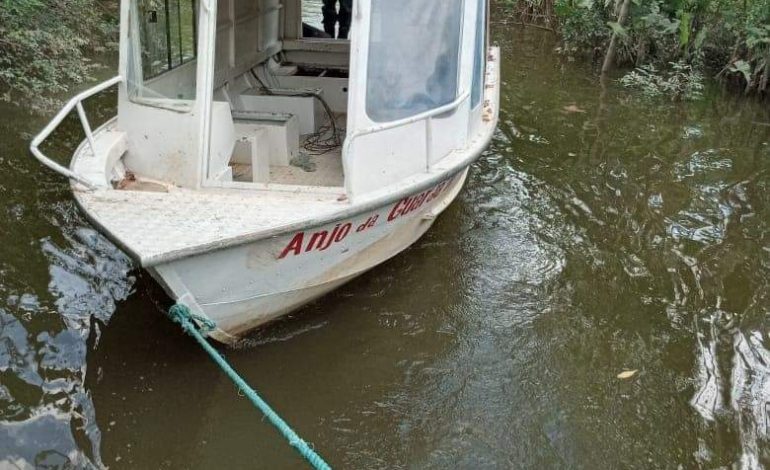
[{"x": 182, "y": 315}]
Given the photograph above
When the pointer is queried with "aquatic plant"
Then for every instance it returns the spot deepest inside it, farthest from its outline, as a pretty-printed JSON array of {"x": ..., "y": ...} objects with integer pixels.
[{"x": 679, "y": 82}]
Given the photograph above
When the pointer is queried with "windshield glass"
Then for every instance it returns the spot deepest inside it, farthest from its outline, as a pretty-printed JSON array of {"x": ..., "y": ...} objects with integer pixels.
[{"x": 414, "y": 49}]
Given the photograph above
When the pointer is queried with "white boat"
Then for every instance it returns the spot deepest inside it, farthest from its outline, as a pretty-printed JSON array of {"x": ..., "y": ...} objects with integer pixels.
[{"x": 251, "y": 170}]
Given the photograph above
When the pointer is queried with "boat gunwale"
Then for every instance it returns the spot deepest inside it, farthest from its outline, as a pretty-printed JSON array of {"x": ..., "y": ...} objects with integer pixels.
[{"x": 472, "y": 152}]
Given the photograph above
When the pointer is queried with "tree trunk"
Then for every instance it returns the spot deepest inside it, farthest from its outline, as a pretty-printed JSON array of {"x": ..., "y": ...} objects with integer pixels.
[
  {"x": 610, "y": 56},
  {"x": 765, "y": 73}
]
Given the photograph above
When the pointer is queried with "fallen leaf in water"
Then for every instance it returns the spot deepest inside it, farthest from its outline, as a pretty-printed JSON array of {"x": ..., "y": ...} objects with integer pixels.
[
  {"x": 573, "y": 109},
  {"x": 627, "y": 374}
]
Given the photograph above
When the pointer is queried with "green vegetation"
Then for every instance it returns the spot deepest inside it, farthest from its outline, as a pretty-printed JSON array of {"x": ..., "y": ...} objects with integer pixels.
[
  {"x": 45, "y": 46},
  {"x": 680, "y": 81},
  {"x": 669, "y": 43}
]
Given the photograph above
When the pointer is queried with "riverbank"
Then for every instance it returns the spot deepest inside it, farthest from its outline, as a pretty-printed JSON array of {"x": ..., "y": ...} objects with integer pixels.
[
  {"x": 48, "y": 47},
  {"x": 670, "y": 44}
]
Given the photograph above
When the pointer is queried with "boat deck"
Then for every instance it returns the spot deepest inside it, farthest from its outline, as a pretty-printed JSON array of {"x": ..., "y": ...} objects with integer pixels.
[
  {"x": 315, "y": 170},
  {"x": 174, "y": 221},
  {"x": 310, "y": 170},
  {"x": 318, "y": 164},
  {"x": 153, "y": 220}
]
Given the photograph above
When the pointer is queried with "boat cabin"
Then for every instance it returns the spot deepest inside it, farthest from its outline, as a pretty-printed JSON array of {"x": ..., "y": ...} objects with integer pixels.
[{"x": 252, "y": 94}]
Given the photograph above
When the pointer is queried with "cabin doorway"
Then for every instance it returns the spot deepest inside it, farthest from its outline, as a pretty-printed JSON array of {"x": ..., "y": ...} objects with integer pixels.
[{"x": 279, "y": 109}]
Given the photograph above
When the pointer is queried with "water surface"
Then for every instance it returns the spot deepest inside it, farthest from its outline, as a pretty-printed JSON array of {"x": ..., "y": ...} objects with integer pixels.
[{"x": 599, "y": 233}]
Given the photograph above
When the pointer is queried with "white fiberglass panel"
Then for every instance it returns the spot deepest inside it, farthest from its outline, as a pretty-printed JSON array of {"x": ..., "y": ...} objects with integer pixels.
[
  {"x": 385, "y": 158},
  {"x": 414, "y": 50}
]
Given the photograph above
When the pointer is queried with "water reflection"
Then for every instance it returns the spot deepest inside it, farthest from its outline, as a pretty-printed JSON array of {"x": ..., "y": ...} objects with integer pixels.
[
  {"x": 57, "y": 277},
  {"x": 42, "y": 441},
  {"x": 660, "y": 217},
  {"x": 51, "y": 422}
]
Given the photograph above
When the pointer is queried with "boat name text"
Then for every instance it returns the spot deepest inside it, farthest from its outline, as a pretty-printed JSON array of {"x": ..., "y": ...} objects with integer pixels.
[{"x": 321, "y": 240}]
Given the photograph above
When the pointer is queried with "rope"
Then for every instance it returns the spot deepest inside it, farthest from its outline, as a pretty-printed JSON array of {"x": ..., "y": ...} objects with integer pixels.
[{"x": 182, "y": 315}]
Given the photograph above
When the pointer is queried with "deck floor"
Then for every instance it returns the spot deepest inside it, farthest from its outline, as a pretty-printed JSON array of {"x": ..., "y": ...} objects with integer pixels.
[
  {"x": 320, "y": 170},
  {"x": 311, "y": 170},
  {"x": 319, "y": 165}
]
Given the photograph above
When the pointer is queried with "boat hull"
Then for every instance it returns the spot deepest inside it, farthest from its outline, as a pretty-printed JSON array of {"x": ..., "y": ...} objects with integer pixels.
[{"x": 245, "y": 286}]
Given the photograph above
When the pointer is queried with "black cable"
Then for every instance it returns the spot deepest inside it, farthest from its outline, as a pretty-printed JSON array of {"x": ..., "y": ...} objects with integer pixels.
[{"x": 314, "y": 142}]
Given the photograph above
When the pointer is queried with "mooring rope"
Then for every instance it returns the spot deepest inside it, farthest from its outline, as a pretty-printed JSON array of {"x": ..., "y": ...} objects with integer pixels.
[{"x": 182, "y": 315}]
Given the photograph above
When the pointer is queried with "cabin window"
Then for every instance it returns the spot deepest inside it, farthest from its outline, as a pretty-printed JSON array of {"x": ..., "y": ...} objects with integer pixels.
[
  {"x": 414, "y": 50},
  {"x": 163, "y": 49},
  {"x": 479, "y": 53}
]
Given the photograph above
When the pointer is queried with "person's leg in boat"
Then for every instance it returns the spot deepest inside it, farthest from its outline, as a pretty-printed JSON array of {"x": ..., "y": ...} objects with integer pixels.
[
  {"x": 329, "y": 11},
  {"x": 345, "y": 14}
]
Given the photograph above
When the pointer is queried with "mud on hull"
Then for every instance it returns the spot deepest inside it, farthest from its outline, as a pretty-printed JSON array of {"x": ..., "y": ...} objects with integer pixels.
[{"x": 245, "y": 286}]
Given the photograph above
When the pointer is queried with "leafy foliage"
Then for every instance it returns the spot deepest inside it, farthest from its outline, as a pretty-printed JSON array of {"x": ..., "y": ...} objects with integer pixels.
[
  {"x": 729, "y": 37},
  {"x": 583, "y": 28},
  {"x": 45, "y": 47},
  {"x": 679, "y": 81}
]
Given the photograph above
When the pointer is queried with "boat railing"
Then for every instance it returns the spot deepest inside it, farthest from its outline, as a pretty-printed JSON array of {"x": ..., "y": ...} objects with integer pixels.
[
  {"x": 75, "y": 103},
  {"x": 426, "y": 116}
]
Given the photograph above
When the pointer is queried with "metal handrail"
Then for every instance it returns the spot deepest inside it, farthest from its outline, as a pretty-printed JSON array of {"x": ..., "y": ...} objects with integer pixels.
[{"x": 75, "y": 102}]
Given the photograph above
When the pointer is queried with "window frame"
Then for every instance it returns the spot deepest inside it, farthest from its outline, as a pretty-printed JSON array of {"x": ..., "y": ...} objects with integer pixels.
[{"x": 479, "y": 54}]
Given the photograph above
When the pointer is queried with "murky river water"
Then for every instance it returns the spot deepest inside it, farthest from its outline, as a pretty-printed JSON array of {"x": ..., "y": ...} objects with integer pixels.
[{"x": 599, "y": 233}]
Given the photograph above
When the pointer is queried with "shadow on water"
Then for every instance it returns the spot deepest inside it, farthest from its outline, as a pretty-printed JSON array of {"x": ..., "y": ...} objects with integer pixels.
[{"x": 599, "y": 233}]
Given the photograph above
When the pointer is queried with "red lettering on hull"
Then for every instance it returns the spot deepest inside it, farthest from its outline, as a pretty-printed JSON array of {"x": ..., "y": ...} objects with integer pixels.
[
  {"x": 294, "y": 246},
  {"x": 412, "y": 203},
  {"x": 322, "y": 239}
]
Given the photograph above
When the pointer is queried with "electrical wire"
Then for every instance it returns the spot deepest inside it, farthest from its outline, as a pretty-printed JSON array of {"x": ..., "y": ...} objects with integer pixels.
[{"x": 322, "y": 141}]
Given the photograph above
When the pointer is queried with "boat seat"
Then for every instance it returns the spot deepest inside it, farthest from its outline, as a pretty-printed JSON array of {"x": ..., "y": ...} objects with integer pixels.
[
  {"x": 308, "y": 109},
  {"x": 252, "y": 153},
  {"x": 262, "y": 141},
  {"x": 281, "y": 131}
]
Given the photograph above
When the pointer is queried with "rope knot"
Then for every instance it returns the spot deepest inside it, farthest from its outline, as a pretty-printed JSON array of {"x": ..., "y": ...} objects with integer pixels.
[{"x": 190, "y": 321}]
